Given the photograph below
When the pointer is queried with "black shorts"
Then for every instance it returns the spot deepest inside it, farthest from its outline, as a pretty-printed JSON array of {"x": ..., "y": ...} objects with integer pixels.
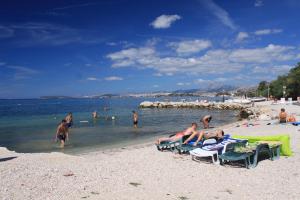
[
  {"x": 69, "y": 124},
  {"x": 135, "y": 122},
  {"x": 209, "y": 119},
  {"x": 61, "y": 137}
]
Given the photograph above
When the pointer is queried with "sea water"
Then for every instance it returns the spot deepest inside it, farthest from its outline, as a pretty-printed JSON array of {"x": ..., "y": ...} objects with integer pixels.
[{"x": 30, "y": 125}]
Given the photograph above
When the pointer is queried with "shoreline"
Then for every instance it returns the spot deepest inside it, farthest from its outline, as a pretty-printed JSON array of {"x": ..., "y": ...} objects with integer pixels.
[{"x": 136, "y": 171}]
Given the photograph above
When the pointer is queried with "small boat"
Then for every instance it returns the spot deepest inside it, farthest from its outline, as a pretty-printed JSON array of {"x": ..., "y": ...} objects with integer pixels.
[
  {"x": 242, "y": 101},
  {"x": 258, "y": 99}
]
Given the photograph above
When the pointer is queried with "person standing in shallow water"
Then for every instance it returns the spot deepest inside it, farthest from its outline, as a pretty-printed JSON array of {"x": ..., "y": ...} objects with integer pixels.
[
  {"x": 95, "y": 114},
  {"x": 62, "y": 133},
  {"x": 205, "y": 120},
  {"x": 135, "y": 119},
  {"x": 69, "y": 120}
]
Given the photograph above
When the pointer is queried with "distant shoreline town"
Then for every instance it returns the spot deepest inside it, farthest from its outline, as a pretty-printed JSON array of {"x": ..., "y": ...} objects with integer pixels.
[{"x": 227, "y": 91}]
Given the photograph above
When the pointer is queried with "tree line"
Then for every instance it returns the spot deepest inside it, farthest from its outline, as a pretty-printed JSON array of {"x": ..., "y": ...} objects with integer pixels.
[{"x": 284, "y": 86}]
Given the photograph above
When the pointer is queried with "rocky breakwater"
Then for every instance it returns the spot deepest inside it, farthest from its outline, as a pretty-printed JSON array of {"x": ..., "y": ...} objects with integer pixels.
[{"x": 194, "y": 104}]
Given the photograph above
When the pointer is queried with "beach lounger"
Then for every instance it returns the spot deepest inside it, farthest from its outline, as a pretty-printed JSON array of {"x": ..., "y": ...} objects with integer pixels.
[
  {"x": 214, "y": 150},
  {"x": 250, "y": 158},
  {"x": 170, "y": 145},
  {"x": 199, "y": 153},
  {"x": 185, "y": 148}
]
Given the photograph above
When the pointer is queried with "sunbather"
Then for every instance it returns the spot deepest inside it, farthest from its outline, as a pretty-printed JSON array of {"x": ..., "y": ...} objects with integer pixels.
[
  {"x": 201, "y": 134},
  {"x": 191, "y": 130},
  {"x": 282, "y": 116}
]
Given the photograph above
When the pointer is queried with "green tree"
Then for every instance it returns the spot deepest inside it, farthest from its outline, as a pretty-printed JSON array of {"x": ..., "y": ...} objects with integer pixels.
[
  {"x": 263, "y": 88},
  {"x": 291, "y": 81}
]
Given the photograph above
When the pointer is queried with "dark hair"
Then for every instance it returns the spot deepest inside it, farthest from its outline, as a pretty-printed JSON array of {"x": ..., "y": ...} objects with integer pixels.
[
  {"x": 63, "y": 121},
  {"x": 133, "y": 111},
  {"x": 222, "y": 133},
  {"x": 194, "y": 124},
  {"x": 282, "y": 109}
]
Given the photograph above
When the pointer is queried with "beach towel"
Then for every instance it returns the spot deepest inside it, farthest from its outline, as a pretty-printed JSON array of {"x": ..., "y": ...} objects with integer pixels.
[{"x": 285, "y": 148}]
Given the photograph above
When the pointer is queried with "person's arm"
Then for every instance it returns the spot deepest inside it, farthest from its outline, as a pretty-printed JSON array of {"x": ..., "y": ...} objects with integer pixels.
[{"x": 199, "y": 138}]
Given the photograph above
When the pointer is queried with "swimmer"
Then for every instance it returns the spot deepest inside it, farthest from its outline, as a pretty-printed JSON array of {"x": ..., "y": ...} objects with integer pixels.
[
  {"x": 95, "y": 115},
  {"x": 69, "y": 120},
  {"x": 62, "y": 133},
  {"x": 135, "y": 119},
  {"x": 205, "y": 120}
]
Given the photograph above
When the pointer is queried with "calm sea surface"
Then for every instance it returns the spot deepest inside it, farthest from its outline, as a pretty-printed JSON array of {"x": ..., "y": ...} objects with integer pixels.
[{"x": 30, "y": 125}]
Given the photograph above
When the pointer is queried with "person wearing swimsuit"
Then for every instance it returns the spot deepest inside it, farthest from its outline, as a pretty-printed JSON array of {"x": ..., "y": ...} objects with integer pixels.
[
  {"x": 201, "y": 134},
  {"x": 62, "y": 133},
  {"x": 205, "y": 120},
  {"x": 135, "y": 119},
  {"x": 69, "y": 120},
  {"x": 179, "y": 135},
  {"x": 282, "y": 116}
]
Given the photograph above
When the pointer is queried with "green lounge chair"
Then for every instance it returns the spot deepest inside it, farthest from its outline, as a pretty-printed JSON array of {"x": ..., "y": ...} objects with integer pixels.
[
  {"x": 167, "y": 145},
  {"x": 250, "y": 158}
]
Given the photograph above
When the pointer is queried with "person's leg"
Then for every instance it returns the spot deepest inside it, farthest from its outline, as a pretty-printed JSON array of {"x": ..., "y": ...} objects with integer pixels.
[
  {"x": 166, "y": 139},
  {"x": 200, "y": 136},
  {"x": 62, "y": 143},
  {"x": 205, "y": 123}
]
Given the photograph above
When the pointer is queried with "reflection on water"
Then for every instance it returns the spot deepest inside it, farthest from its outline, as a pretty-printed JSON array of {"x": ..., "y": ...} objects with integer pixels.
[{"x": 30, "y": 125}]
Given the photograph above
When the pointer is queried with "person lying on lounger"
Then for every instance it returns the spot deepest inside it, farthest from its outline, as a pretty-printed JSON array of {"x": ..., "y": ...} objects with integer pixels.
[
  {"x": 189, "y": 131},
  {"x": 201, "y": 134}
]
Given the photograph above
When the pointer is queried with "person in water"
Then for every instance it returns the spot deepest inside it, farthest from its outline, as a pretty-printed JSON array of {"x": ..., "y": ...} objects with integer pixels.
[
  {"x": 282, "y": 116},
  {"x": 62, "y": 133},
  {"x": 69, "y": 120},
  {"x": 205, "y": 120},
  {"x": 201, "y": 134},
  {"x": 95, "y": 114},
  {"x": 135, "y": 118},
  {"x": 189, "y": 131}
]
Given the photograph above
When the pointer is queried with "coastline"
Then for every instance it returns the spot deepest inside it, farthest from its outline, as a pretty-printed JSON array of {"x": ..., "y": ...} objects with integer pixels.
[{"x": 141, "y": 172}]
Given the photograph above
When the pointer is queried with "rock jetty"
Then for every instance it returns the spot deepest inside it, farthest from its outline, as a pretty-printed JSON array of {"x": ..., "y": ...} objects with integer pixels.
[{"x": 194, "y": 104}]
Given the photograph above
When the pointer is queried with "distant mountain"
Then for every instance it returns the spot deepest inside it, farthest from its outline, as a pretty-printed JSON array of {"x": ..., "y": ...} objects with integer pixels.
[
  {"x": 210, "y": 88},
  {"x": 56, "y": 97}
]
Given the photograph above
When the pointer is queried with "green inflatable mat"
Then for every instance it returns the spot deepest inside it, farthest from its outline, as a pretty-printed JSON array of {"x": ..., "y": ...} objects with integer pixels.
[{"x": 285, "y": 148}]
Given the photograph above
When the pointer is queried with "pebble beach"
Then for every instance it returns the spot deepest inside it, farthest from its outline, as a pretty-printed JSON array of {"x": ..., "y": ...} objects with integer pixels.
[{"x": 142, "y": 172}]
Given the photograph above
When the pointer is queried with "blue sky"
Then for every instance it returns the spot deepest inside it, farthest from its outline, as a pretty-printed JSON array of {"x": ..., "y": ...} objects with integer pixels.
[{"x": 119, "y": 46}]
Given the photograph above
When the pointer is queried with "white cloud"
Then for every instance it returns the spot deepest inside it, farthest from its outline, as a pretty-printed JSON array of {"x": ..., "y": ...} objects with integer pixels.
[
  {"x": 276, "y": 70},
  {"x": 164, "y": 21},
  {"x": 92, "y": 79},
  {"x": 158, "y": 74},
  {"x": 113, "y": 78},
  {"x": 6, "y": 32},
  {"x": 33, "y": 33},
  {"x": 258, "y": 3},
  {"x": 155, "y": 86},
  {"x": 220, "y": 13},
  {"x": 241, "y": 36},
  {"x": 2, "y": 63},
  {"x": 267, "y": 54},
  {"x": 267, "y": 31},
  {"x": 190, "y": 46},
  {"x": 183, "y": 84},
  {"x": 217, "y": 61},
  {"x": 22, "y": 72}
]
